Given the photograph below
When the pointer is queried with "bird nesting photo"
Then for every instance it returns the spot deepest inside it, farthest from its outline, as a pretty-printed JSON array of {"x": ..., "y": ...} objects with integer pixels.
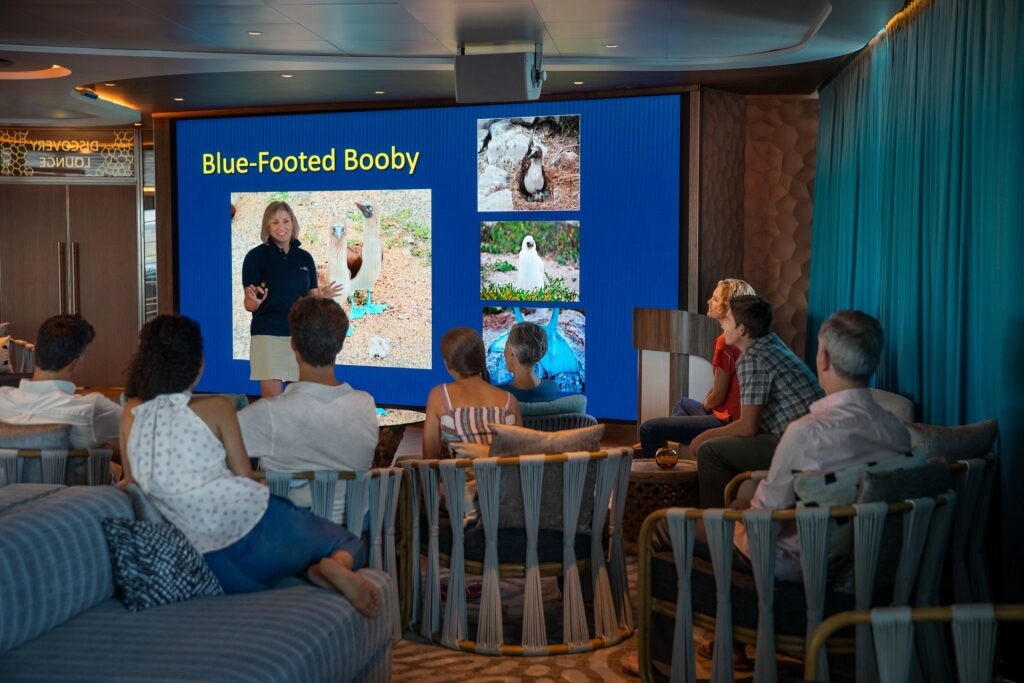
[
  {"x": 528, "y": 163},
  {"x": 564, "y": 359},
  {"x": 376, "y": 246},
  {"x": 530, "y": 261}
]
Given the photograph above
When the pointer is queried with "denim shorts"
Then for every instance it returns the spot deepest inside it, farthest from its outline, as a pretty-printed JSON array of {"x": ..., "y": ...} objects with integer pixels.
[{"x": 285, "y": 542}]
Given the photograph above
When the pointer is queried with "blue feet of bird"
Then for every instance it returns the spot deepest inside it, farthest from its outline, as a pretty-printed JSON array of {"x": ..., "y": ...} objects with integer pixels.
[{"x": 371, "y": 308}]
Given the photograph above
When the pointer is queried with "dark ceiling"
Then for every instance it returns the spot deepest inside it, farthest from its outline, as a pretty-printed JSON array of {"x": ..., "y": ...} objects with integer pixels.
[{"x": 305, "y": 52}]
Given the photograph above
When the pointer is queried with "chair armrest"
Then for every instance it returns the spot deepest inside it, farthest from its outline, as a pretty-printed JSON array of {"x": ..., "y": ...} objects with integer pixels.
[{"x": 737, "y": 488}]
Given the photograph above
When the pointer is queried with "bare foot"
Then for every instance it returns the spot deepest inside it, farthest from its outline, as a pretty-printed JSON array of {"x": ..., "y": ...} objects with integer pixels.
[
  {"x": 363, "y": 595},
  {"x": 316, "y": 576}
]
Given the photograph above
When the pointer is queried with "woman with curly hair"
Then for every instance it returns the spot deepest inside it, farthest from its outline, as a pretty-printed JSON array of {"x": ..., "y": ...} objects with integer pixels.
[{"x": 187, "y": 455}]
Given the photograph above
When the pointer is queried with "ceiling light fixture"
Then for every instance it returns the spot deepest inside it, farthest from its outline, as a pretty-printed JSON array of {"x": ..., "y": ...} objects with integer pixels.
[
  {"x": 110, "y": 85},
  {"x": 611, "y": 46},
  {"x": 378, "y": 92},
  {"x": 55, "y": 71},
  {"x": 577, "y": 82},
  {"x": 138, "y": 125},
  {"x": 286, "y": 76},
  {"x": 179, "y": 99},
  {"x": 255, "y": 33}
]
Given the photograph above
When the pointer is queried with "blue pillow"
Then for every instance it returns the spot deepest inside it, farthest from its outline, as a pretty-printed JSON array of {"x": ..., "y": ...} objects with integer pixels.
[{"x": 154, "y": 564}]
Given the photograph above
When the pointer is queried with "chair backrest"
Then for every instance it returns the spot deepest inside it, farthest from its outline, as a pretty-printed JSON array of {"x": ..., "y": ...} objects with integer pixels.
[
  {"x": 974, "y": 637},
  {"x": 925, "y": 525},
  {"x": 900, "y": 406},
  {"x": 88, "y": 466},
  {"x": 558, "y": 422}
]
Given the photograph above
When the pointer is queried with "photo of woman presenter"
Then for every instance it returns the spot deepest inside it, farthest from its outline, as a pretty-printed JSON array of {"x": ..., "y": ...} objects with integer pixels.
[{"x": 275, "y": 275}]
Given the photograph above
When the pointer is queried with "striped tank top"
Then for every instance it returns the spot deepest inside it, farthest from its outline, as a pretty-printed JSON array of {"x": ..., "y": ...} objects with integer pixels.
[{"x": 472, "y": 424}]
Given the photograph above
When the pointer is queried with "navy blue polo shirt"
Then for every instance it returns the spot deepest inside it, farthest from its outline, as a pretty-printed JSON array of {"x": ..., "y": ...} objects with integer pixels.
[{"x": 287, "y": 276}]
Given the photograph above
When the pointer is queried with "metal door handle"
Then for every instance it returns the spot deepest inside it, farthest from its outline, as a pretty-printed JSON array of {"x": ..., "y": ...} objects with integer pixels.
[
  {"x": 76, "y": 289},
  {"x": 62, "y": 285}
]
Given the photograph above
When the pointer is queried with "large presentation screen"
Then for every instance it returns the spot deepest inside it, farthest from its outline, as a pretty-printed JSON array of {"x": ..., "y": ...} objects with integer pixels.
[{"x": 565, "y": 214}]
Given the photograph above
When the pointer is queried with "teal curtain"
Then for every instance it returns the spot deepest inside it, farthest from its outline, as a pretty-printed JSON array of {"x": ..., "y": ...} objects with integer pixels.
[{"x": 919, "y": 220}]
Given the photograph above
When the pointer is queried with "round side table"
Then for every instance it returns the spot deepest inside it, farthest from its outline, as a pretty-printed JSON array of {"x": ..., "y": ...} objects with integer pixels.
[
  {"x": 392, "y": 423},
  {"x": 652, "y": 488}
]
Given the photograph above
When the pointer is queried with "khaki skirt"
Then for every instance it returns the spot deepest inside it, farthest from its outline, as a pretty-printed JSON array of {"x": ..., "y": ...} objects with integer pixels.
[{"x": 272, "y": 357}]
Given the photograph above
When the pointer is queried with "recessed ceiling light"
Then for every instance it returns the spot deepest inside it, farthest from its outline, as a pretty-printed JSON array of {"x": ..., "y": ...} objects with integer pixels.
[
  {"x": 255, "y": 33},
  {"x": 611, "y": 45},
  {"x": 286, "y": 75},
  {"x": 179, "y": 99},
  {"x": 378, "y": 92},
  {"x": 577, "y": 82},
  {"x": 110, "y": 85},
  {"x": 138, "y": 124}
]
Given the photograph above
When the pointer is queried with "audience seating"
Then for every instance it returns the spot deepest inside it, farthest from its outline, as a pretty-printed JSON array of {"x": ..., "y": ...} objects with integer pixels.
[
  {"x": 777, "y": 615},
  {"x": 374, "y": 500},
  {"x": 974, "y": 638},
  {"x": 59, "y": 619},
  {"x": 515, "y": 537},
  {"x": 558, "y": 422}
]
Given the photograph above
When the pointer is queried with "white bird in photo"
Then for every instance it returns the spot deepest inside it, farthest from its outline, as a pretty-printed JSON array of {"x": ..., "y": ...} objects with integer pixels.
[
  {"x": 337, "y": 264},
  {"x": 365, "y": 277},
  {"x": 530, "y": 275}
]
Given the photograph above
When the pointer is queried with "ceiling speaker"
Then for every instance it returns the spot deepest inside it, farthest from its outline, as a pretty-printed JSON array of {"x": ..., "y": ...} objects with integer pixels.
[{"x": 508, "y": 77}]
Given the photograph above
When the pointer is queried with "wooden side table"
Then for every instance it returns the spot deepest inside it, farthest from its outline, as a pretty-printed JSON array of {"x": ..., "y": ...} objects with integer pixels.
[
  {"x": 392, "y": 423},
  {"x": 652, "y": 488}
]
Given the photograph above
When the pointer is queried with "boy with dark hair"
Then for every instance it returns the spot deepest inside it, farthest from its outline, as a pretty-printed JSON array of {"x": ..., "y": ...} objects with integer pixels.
[
  {"x": 318, "y": 423},
  {"x": 776, "y": 388},
  {"x": 50, "y": 398}
]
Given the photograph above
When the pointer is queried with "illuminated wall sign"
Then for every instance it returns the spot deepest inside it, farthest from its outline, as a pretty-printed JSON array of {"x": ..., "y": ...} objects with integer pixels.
[{"x": 27, "y": 153}]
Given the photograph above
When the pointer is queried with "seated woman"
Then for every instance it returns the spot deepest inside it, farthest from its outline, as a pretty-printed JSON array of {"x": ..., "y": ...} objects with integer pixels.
[
  {"x": 187, "y": 455},
  {"x": 465, "y": 409},
  {"x": 527, "y": 343},
  {"x": 722, "y": 403}
]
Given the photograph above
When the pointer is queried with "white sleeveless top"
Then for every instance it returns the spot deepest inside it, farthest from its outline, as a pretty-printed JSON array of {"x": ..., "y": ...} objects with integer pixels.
[{"x": 182, "y": 466}]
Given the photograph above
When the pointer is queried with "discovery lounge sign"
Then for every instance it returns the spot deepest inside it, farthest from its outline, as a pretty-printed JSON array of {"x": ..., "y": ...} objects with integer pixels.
[{"x": 29, "y": 153}]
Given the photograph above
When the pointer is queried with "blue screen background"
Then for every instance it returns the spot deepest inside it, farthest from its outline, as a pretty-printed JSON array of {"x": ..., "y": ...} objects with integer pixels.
[{"x": 629, "y": 224}]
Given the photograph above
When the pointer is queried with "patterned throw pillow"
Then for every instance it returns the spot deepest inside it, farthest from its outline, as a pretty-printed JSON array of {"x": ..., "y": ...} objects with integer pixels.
[
  {"x": 962, "y": 442},
  {"x": 513, "y": 440},
  {"x": 154, "y": 564}
]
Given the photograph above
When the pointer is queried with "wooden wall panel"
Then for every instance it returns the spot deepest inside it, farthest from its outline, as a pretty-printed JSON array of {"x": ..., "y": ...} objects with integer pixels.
[
  {"x": 722, "y": 117},
  {"x": 781, "y": 148},
  {"x": 34, "y": 223},
  {"x": 104, "y": 225}
]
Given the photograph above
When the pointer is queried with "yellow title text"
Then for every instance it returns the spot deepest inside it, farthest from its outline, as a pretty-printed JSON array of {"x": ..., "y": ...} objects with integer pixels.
[{"x": 351, "y": 159}]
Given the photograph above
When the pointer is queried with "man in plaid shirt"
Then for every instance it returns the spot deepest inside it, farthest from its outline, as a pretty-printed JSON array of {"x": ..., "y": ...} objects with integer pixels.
[{"x": 776, "y": 388}]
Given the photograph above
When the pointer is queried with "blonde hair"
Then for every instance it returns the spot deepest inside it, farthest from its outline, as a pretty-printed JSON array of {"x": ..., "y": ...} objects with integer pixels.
[
  {"x": 270, "y": 212},
  {"x": 718, "y": 307}
]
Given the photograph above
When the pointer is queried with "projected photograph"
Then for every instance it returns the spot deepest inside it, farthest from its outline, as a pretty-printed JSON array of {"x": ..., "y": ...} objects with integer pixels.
[
  {"x": 565, "y": 360},
  {"x": 375, "y": 244},
  {"x": 528, "y": 163},
  {"x": 530, "y": 260}
]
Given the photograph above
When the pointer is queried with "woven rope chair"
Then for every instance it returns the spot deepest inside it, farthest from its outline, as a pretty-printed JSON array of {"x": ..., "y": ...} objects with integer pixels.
[
  {"x": 974, "y": 637},
  {"x": 376, "y": 493},
  {"x": 612, "y": 614},
  {"x": 925, "y": 532},
  {"x": 56, "y": 465},
  {"x": 558, "y": 422}
]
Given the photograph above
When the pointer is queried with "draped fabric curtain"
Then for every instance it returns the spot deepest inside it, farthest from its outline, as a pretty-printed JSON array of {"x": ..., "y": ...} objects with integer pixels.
[{"x": 919, "y": 220}]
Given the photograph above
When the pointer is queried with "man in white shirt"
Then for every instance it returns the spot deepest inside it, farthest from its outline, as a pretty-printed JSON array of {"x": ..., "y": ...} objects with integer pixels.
[
  {"x": 49, "y": 397},
  {"x": 844, "y": 429},
  {"x": 318, "y": 423}
]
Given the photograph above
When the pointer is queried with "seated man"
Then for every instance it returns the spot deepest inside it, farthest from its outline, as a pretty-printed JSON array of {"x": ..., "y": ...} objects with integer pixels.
[
  {"x": 776, "y": 388},
  {"x": 842, "y": 430},
  {"x": 318, "y": 423},
  {"x": 49, "y": 397}
]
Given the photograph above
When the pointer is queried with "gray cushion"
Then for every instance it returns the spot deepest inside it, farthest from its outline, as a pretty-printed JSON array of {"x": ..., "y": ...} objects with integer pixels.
[
  {"x": 34, "y": 436},
  {"x": 954, "y": 443},
  {"x": 930, "y": 479},
  {"x": 154, "y": 564},
  {"x": 513, "y": 440},
  {"x": 296, "y": 634},
  {"x": 510, "y": 506},
  {"x": 142, "y": 506},
  {"x": 577, "y": 403}
]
